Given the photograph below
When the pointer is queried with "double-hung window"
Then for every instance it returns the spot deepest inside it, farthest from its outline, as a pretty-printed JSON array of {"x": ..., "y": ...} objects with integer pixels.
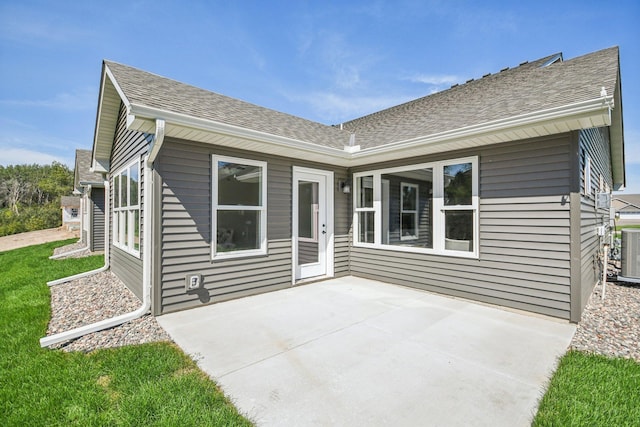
[
  {"x": 409, "y": 211},
  {"x": 365, "y": 212},
  {"x": 126, "y": 208},
  {"x": 429, "y": 208},
  {"x": 239, "y": 211}
]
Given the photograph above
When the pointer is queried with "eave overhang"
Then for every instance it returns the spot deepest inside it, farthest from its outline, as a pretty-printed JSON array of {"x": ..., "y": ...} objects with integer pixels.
[
  {"x": 596, "y": 112},
  {"x": 616, "y": 137},
  {"x": 583, "y": 115}
]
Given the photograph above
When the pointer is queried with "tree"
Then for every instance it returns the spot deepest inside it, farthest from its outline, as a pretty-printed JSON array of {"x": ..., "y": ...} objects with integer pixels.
[{"x": 30, "y": 196}]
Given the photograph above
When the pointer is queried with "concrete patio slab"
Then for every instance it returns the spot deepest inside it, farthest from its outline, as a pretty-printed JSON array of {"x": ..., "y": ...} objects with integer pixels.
[{"x": 353, "y": 351}]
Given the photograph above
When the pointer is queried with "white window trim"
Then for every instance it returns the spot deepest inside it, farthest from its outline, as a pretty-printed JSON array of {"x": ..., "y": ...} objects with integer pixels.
[
  {"x": 118, "y": 235},
  {"x": 414, "y": 212},
  {"x": 357, "y": 210},
  {"x": 262, "y": 250},
  {"x": 438, "y": 209},
  {"x": 587, "y": 175}
]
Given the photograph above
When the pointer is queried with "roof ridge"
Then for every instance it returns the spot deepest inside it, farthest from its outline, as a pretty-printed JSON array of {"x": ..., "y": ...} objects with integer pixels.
[
  {"x": 227, "y": 97},
  {"x": 523, "y": 66}
]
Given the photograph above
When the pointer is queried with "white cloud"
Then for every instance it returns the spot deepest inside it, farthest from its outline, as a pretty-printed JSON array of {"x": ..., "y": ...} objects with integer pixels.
[
  {"x": 19, "y": 156},
  {"x": 435, "y": 79},
  {"x": 78, "y": 100},
  {"x": 334, "y": 108}
]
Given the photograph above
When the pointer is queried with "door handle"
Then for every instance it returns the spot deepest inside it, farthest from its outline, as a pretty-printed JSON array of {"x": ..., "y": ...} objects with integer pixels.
[{"x": 324, "y": 232}]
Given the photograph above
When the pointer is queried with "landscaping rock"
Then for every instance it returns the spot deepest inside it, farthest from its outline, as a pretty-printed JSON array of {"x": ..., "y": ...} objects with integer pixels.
[{"x": 611, "y": 327}]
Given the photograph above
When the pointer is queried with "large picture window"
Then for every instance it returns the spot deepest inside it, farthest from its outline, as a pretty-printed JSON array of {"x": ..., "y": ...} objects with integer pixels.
[
  {"x": 431, "y": 208},
  {"x": 239, "y": 207},
  {"x": 126, "y": 208}
]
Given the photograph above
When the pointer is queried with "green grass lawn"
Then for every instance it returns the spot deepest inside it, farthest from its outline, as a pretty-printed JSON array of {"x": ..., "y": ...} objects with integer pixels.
[
  {"x": 144, "y": 385},
  {"x": 592, "y": 390}
]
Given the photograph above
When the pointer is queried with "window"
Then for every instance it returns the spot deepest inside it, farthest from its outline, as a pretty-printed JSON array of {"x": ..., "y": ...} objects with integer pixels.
[
  {"x": 586, "y": 173},
  {"x": 364, "y": 209},
  {"x": 126, "y": 208},
  {"x": 430, "y": 208},
  {"x": 239, "y": 207},
  {"x": 408, "y": 211},
  {"x": 74, "y": 212}
]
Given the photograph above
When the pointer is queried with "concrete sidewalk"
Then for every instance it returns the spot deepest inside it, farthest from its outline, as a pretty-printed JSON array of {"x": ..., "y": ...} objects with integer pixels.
[{"x": 354, "y": 352}]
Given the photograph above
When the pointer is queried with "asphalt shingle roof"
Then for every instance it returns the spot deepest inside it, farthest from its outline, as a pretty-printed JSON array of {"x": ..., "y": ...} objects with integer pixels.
[
  {"x": 525, "y": 89},
  {"x": 153, "y": 91},
  {"x": 70, "y": 201},
  {"x": 83, "y": 169},
  {"x": 528, "y": 88}
]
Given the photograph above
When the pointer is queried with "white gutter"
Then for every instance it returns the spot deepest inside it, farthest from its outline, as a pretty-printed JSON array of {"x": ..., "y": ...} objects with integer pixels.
[
  {"x": 146, "y": 276},
  {"x": 144, "y": 113},
  {"x": 106, "y": 248}
]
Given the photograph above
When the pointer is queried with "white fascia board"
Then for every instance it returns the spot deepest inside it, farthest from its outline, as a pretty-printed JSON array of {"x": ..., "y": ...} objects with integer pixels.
[
  {"x": 102, "y": 164},
  {"x": 150, "y": 114},
  {"x": 596, "y": 106},
  {"x": 115, "y": 84}
]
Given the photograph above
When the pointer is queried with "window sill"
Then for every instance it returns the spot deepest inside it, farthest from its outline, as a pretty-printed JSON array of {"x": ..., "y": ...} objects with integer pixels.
[
  {"x": 411, "y": 249},
  {"x": 127, "y": 250},
  {"x": 223, "y": 256}
]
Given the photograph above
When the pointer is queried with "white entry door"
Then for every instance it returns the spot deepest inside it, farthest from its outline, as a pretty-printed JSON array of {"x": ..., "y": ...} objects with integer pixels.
[{"x": 312, "y": 223}]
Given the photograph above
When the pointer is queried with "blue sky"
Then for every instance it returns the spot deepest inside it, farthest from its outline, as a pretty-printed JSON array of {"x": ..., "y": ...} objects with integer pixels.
[{"x": 328, "y": 61}]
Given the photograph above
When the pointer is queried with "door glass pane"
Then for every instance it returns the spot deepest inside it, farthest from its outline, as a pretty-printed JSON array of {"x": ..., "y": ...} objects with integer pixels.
[
  {"x": 308, "y": 224},
  {"x": 458, "y": 184},
  {"x": 239, "y": 184},
  {"x": 458, "y": 230}
]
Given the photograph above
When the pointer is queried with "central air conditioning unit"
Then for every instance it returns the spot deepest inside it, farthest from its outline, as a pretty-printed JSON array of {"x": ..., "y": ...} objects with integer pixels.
[{"x": 630, "y": 256}]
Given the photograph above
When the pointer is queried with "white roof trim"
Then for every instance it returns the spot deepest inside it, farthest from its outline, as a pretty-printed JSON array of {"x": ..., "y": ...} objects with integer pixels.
[{"x": 140, "y": 114}]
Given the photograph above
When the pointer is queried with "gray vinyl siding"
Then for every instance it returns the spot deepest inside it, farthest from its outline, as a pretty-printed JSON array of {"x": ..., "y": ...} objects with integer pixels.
[
  {"x": 96, "y": 226},
  {"x": 595, "y": 143},
  {"x": 184, "y": 173},
  {"x": 127, "y": 146},
  {"x": 342, "y": 224},
  {"x": 524, "y": 212}
]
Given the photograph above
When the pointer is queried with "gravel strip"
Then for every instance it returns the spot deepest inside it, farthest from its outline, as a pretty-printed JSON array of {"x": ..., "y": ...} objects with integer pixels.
[
  {"x": 94, "y": 298},
  {"x": 611, "y": 327},
  {"x": 72, "y": 247}
]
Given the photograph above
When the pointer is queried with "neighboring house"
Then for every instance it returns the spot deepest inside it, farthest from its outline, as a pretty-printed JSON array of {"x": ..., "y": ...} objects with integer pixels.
[
  {"x": 70, "y": 206},
  {"x": 627, "y": 209},
  {"x": 90, "y": 185},
  {"x": 484, "y": 191}
]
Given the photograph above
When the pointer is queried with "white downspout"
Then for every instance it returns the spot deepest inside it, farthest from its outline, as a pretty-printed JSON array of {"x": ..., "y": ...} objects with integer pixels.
[
  {"x": 105, "y": 267},
  {"x": 146, "y": 274}
]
